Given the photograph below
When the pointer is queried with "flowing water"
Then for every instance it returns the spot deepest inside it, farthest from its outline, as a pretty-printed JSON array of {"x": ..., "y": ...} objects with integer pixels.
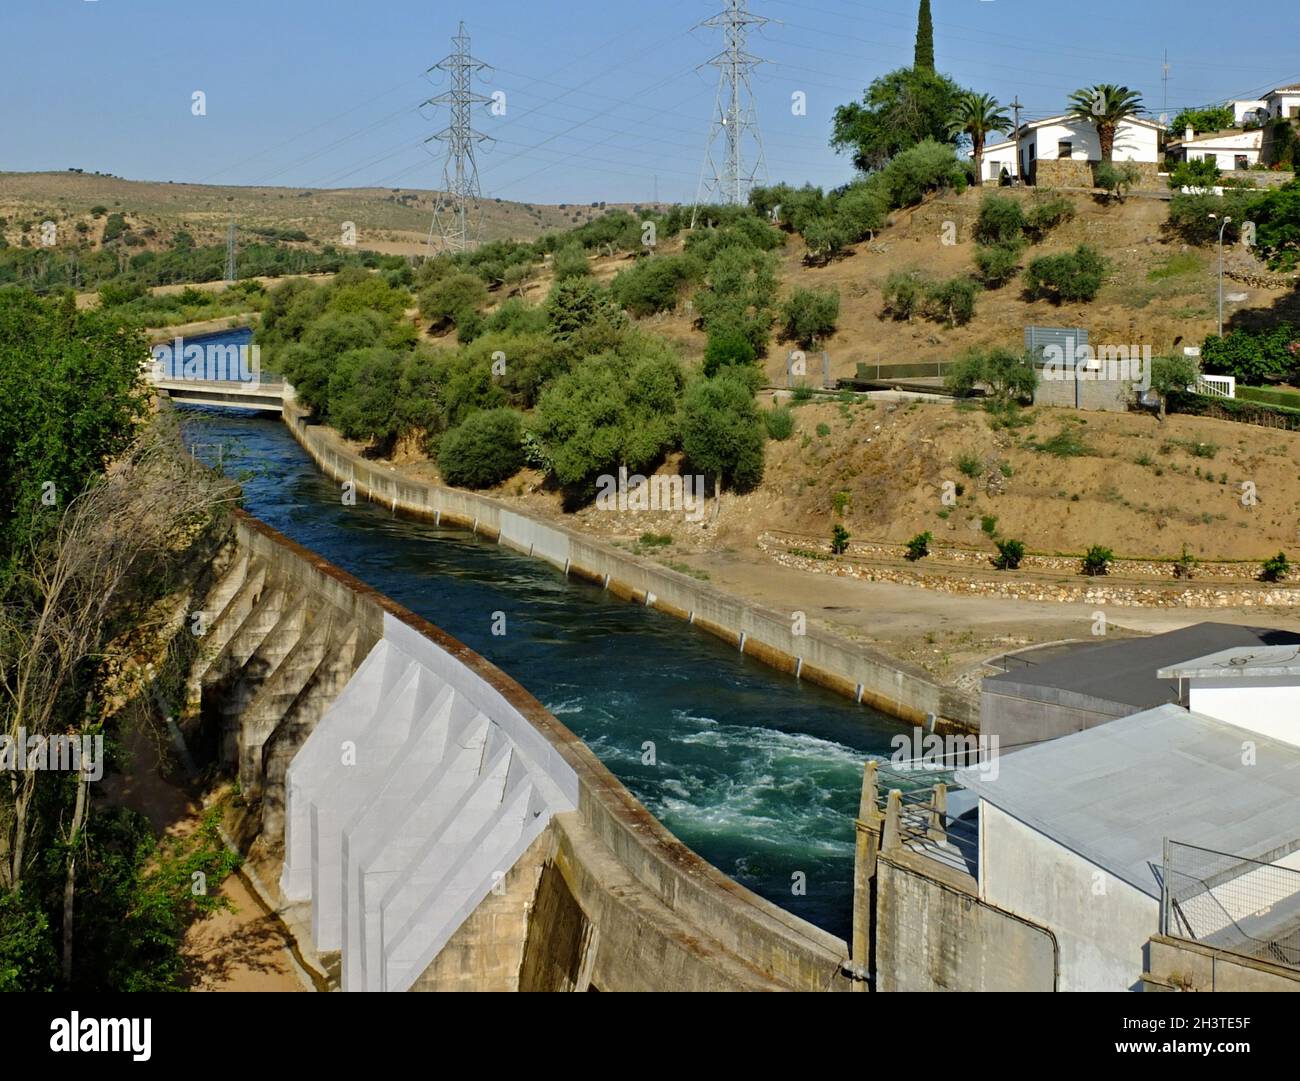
[{"x": 757, "y": 772}]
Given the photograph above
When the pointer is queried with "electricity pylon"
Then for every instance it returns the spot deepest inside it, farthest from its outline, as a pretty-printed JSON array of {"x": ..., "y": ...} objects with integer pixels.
[
  {"x": 734, "y": 117},
  {"x": 456, "y": 213}
]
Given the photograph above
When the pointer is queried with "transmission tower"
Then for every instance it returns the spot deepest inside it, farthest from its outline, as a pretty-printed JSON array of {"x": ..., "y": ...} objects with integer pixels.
[
  {"x": 734, "y": 118},
  {"x": 456, "y": 213},
  {"x": 230, "y": 252}
]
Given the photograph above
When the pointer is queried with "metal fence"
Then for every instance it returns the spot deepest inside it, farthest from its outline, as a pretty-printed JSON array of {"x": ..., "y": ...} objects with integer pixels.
[{"x": 1232, "y": 903}]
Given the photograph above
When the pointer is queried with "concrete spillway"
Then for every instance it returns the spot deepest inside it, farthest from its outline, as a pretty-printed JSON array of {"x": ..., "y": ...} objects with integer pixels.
[
  {"x": 446, "y": 831},
  {"x": 419, "y": 788}
]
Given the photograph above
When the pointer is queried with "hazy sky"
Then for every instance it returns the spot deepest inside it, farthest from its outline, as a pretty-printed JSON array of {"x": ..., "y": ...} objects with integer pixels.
[{"x": 600, "y": 97}]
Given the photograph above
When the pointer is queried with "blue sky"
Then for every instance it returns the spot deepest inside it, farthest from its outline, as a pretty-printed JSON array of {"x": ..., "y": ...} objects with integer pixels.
[{"x": 602, "y": 98}]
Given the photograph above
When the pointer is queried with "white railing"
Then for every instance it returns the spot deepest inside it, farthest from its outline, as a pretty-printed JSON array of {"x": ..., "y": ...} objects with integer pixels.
[{"x": 1217, "y": 386}]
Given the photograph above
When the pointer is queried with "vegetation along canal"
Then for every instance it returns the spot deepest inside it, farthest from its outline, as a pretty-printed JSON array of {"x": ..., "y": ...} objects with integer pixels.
[{"x": 757, "y": 772}]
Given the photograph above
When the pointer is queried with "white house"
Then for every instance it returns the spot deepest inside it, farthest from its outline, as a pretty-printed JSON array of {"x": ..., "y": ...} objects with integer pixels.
[
  {"x": 1068, "y": 139},
  {"x": 1227, "y": 149},
  {"x": 1283, "y": 103},
  {"x": 1072, "y": 831},
  {"x": 1244, "y": 111}
]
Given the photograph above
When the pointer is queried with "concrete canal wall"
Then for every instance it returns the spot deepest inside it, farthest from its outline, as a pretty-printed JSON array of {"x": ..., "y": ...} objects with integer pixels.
[{"x": 891, "y": 686}]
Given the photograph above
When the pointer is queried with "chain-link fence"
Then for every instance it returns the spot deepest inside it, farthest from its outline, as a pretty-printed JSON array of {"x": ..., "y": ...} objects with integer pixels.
[{"x": 1232, "y": 903}]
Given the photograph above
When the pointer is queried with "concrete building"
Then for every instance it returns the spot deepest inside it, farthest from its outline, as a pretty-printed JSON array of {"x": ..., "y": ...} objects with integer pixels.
[
  {"x": 1044, "y": 694},
  {"x": 1061, "y": 151},
  {"x": 1072, "y": 839},
  {"x": 1229, "y": 150}
]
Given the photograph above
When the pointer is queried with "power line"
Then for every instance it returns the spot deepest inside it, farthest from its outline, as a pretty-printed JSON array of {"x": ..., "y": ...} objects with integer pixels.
[{"x": 456, "y": 216}]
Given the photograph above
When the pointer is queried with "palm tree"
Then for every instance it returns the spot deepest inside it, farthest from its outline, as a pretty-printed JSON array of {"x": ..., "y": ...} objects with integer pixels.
[
  {"x": 1107, "y": 106},
  {"x": 976, "y": 115}
]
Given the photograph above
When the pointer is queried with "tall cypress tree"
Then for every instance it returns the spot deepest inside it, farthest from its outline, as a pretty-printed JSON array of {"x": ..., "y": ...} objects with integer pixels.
[{"x": 924, "y": 39}]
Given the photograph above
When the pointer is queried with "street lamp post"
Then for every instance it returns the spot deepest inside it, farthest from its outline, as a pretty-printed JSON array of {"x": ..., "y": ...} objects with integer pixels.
[{"x": 1222, "y": 226}]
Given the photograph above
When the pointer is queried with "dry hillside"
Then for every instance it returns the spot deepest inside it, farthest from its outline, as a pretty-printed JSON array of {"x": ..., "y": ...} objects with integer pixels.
[{"x": 391, "y": 220}]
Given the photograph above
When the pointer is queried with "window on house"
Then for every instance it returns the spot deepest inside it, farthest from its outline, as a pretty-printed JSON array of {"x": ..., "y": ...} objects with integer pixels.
[
  {"x": 1295, "y": 112},
  {"x": 1065, "y": 149},
  {"x": 1241, "y": 162}
]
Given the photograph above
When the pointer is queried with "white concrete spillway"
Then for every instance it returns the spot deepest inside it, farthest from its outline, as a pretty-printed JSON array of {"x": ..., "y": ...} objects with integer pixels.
[{"x": 420, "y": 787}]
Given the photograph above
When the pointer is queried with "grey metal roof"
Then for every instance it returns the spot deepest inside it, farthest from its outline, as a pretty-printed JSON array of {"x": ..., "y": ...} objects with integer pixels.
[
  {"x": 1240, "y": 662},
  {"x": 1126, "y": 671},
  {"x": 1112, "y": 793}
]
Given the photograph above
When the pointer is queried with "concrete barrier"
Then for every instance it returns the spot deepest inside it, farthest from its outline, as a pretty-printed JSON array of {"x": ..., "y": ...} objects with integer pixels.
[{"x": 893, "y": 687}]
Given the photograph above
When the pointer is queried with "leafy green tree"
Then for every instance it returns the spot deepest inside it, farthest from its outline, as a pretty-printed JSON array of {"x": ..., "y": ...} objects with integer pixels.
[
  {"x": 977, "y": 116},
  {"x": 483, "y": 451},
  {"x": 71, "y": 384},
  {"x": 1170, "y": 374},
  {"x": 923, "y": 59},
  {"x": 578, "y": 306},
  {"x": 952, "y": 301},
  {"x": 363, "y": 395},
  {"x": 927, "y": 166},
  {"x": 1097, "y": 561},
  {"x": 809, "y": 315},
  {"x": 1106, "y": 106},
  {"x": 1277, "y": 220},
  {"x": 1010, "y": 554},
  {"x": 839, "y": 539},
  {"x": 446, "y": 300},
  {"x": 722, "y": 431},
  {"x": 609, "y": 411},
  {"x": 898, "y": 111},
  {"x": 1209, "y": 118}
]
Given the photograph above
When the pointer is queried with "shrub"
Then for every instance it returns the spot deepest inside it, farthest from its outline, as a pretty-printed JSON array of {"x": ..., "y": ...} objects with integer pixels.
[
  {"x": 1046, "y": 214},
  {"x": 970, "y": 465},
  {"x": 1000, "y": 221},
  {"x": 809, "y": 315},
  {"x": 1010, "y": 554},
  {"x": 779, "y": 422},
  {"x": 722, "y": 432},
  {"x": 1185, "y": 565},
  {"x": 1097, "y": 561},
  {"x": 840, "y": 502},
  {"x": 904, "y": 293},
  {"x": 1117, "y": 180},
  {"x": 998, "y": 264},
  {"x": 839, "y": 539},
  {"x": 1254, "y": 357},
  {"x": 823, "y": 430},
  {"x": 570, "y": 262},
  {"x": 728, "y": 345},
  {"x": 928, "y": 166},
  {"x": 1276, "y": 568},
  {"x": 516, "y": 316},
  {"x": 1074, "y": 276},
  {"x": 952, "y": 301},
  {"x": 989, "y": 524},
  {"x": 579, "y": 305},
  {"x": 919, "y": 546},
  {"x": 862, "y": 209},
  {"x": 655, "y": 283},
  {"x": 1189, "y": 216},
  {"x": 485, "y": 450},
  {"x": 1200, "y": 173}
]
